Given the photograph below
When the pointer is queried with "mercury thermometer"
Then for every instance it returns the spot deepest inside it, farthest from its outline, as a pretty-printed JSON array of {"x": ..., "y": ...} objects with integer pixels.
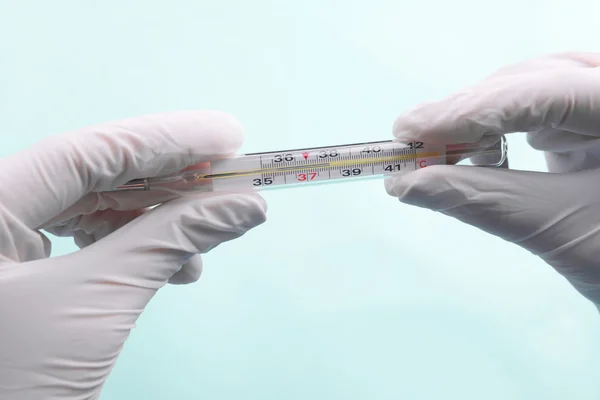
[{"x": 308, "y": 166}]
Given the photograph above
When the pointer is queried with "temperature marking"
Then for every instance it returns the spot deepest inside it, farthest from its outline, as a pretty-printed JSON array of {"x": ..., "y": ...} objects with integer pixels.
[
  {"x": 304, "y": 177},
  {"x": 305, "y": 154}
]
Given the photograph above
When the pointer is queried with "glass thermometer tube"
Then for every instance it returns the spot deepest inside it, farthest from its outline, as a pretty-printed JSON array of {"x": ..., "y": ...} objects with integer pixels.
[{"x": 300, "y": 167}]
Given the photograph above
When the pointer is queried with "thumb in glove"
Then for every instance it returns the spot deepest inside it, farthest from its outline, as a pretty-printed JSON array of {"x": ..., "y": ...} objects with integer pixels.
[{"x": 551, "y": 215}]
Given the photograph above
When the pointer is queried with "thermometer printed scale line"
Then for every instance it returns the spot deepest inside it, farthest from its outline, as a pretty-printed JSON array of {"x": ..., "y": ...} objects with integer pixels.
[{"x": 323, "y": 164}]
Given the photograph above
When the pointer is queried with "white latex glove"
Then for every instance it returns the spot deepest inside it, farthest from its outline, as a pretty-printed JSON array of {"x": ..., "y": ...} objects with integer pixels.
[
  {"x": 556, "y": 99},
  {"x": 64, "y": 320}
]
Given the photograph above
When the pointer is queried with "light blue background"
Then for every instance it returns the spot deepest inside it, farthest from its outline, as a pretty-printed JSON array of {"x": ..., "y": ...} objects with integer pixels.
[{"x": 387, "y": 302}]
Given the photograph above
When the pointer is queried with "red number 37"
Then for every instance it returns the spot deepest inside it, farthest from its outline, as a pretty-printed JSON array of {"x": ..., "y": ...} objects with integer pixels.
[{"x": 307, "y": 177}]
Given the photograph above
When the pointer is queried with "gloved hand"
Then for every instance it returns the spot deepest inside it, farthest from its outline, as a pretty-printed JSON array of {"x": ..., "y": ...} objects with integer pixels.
[
  {"x": 556, "y": 216},
  {"x": 64, "y": 320}
]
